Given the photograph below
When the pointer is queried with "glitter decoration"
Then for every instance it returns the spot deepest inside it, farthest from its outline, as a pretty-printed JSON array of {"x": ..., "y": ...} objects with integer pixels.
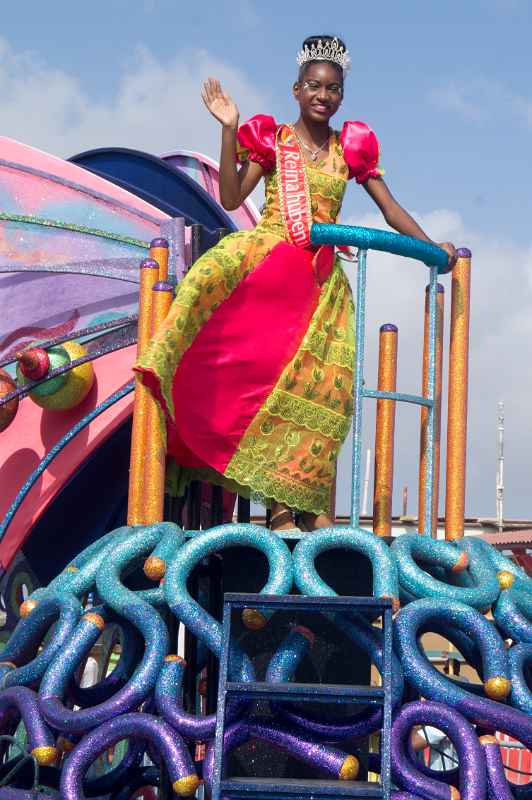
[
  {"x": 513, "y": 614},
  {"x": 417, "y": 582},
  {"x": 384, "y": 432},
  {"x": 139, "y": 613},
  {"x": 149, "y": 275},
  {"x": 423, "y": 444},
  {"x": 41, "y": 740},
  {"x": 497, "y": 784},
  {"x": 462, "y": 734},
  {"x": 433, "y": 685},
  {"x": 165, "y": 741},
  {"x": 385, "y": 582},
  {"x": 49, "y": 223},
  {"x": 154, "y": 474},
  {"x": 520, "y": 659},
  {"x": 457, "y": 398},
  {"x": 384, "y": 241}
]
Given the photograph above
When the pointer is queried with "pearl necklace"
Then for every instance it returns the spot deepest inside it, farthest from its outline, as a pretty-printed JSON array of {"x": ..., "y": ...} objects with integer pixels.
[{"x": 313, "y": 153}]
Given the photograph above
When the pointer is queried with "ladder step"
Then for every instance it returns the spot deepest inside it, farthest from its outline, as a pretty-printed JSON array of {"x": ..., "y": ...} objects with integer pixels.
[
  {"x": 310, "y": 692},
  {"x": 291, "y": 788}
]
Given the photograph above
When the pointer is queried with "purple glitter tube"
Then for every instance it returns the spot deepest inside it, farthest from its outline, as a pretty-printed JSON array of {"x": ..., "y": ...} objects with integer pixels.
[
  {"x": 473, "y": 780},
  {"x": 169, "y": 745}
]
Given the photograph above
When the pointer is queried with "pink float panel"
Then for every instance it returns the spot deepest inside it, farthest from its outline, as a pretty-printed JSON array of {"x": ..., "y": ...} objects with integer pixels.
[{"x": 34, "y": 432}]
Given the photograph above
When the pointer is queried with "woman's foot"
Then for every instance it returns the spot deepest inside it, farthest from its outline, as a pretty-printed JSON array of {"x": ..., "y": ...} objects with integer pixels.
[
  {"x": 313, "y": 522},
  {"x": 282, "y": 518}
]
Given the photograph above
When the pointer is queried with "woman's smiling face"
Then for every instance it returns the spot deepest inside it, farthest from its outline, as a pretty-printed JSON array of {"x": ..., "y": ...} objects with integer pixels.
[{"x": 319, "y": 91}]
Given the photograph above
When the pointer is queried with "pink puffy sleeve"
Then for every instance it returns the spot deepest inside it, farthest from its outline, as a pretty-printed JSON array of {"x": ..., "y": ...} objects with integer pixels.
[
  {"x": 361, "y": 151},
  {"x": 256, "y": 141}
]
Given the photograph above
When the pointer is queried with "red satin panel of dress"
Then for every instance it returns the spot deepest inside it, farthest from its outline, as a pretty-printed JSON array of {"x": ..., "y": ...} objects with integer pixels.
[{"x": 236, "y": 359}]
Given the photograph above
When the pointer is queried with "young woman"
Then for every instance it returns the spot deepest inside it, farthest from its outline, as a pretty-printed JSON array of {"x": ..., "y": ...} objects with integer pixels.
[{"x": 254, "y": 365}]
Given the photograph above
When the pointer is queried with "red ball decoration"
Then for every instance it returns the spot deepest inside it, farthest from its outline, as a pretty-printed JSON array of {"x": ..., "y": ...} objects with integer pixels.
[
  {"x": 9, "y": 409},
  {"x": 34, "y": 363}
]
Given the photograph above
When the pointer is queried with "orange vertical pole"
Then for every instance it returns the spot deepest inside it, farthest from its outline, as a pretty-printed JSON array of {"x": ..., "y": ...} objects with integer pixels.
[
  {"x": 159, "y": 253},
  {"x": 149, "y": 275},
  {"x": 384, "y": 432},
  {"x": 437, "y": 413},
  {"x": 155, "y": 453},
  {"x": 457, "y": 402}
]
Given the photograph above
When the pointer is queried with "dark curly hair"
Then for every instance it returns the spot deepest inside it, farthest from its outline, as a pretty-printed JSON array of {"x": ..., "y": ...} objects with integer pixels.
[{"x": 313, "y": 40}]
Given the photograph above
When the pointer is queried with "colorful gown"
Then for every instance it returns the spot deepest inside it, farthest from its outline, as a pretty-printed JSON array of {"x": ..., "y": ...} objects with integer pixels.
[{"x": 253, "y": 368}]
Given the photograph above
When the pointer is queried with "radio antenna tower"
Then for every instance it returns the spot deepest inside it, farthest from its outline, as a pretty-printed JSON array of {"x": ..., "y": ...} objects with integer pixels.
[{"x": 500, "y": 465}]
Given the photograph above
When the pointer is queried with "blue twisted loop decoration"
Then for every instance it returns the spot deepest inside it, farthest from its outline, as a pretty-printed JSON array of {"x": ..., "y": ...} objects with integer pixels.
[
  {"x": 520, "y": 660},
  {"x": 499, "y": 563},
  {"x": 159, "y": 734},
  {"x": 60, "y": 611},
  {"x": 365, "y": 636},
  {"x": 307, "y": 579},
  {"x": 447, "y": 558},
  {"x": 513, "y": 614},
  {"x": 473, "y": 783},
  {"x": 131, "y": 645},
  {"x": 212, "y": 541},
  {"x": 433, "y": 685},
  {"x": 300, "y": 745},
  {"x": 499, "y": 788},
  {"x": 199, "y": 622},
  {"x": 138, "y": 612}
]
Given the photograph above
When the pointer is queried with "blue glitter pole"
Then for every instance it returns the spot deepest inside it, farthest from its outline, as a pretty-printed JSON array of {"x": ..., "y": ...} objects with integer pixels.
[
  {"x": 429, "y": 462},
  {"x": 358, "y": 385}
]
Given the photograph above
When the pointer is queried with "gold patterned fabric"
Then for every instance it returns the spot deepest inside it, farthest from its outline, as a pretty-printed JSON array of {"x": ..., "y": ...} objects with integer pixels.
[{"x": 289, "y": 451}]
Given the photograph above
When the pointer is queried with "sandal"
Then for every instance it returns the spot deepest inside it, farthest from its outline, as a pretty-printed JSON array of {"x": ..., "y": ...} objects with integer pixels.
[{"x": 279, "y": 519}]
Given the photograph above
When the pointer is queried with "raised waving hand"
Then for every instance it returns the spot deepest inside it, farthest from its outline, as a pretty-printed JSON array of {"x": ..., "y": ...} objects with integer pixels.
[{"x": 219, "y": 104}]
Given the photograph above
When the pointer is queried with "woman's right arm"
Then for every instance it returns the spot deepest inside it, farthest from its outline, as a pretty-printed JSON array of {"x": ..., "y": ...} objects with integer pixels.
[{"x": 235, "y": 184}]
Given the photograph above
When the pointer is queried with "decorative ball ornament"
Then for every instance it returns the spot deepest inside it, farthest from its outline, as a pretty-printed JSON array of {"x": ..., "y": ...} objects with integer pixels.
[
  {"x": 350, "y": 768},
  {"x": 253, "y": 619},
  {"x": 34, "y": 363},
  {"x": 65, "y": 391},
  {"x": 27, "y": 607},
  {"x": 7, "y": 410},
  {"x": 185, "y": 787},
  {"x": 498, "y": 688},
  {"x": 45, "y": 756},
  {"x": 154, "y": 568},
  {"x": 506, "y": 579}
]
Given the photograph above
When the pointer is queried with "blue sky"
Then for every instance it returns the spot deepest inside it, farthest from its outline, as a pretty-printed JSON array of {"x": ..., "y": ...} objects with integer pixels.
[{"x": 446, "y": 86}]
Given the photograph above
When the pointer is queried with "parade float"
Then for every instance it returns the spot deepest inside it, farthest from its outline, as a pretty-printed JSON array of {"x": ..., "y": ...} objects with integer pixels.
[{"x": 225, "y": 660}]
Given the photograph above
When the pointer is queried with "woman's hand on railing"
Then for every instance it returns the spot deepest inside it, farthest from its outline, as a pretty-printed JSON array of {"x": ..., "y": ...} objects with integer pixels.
[{"x": 450, "y": 250}]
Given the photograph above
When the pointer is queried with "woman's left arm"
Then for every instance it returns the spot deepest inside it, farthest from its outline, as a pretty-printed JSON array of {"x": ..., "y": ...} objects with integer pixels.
[{"x": 397, "y": 217}]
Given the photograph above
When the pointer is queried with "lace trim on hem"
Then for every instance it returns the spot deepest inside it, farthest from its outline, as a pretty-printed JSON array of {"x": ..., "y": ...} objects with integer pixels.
[
  {"x": 272, "y": 489},
  {"x": 265, "y": 487},
  {"x": 308, "y": 415}
]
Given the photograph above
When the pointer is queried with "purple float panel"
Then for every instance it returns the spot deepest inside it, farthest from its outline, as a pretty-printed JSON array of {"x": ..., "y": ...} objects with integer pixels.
[{"x": 70, "y": 246}]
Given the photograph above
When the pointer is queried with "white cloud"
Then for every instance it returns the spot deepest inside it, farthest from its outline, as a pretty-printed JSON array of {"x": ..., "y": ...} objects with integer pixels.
[
  {"x": 154, "y": 106},
  {"x": 501, "y": 331},
  {"x": 480, "y": 99}
]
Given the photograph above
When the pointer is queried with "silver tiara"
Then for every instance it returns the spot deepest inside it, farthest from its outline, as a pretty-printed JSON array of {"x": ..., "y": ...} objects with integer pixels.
[{"x": 327, "y": 50}]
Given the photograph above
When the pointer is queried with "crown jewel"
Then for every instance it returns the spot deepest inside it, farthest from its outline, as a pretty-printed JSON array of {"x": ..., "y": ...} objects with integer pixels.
[{"x": 325, "y": 50}]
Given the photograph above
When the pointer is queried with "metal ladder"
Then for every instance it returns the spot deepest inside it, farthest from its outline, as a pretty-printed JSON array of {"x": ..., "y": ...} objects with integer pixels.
[{"x": 293, "y": 789}]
